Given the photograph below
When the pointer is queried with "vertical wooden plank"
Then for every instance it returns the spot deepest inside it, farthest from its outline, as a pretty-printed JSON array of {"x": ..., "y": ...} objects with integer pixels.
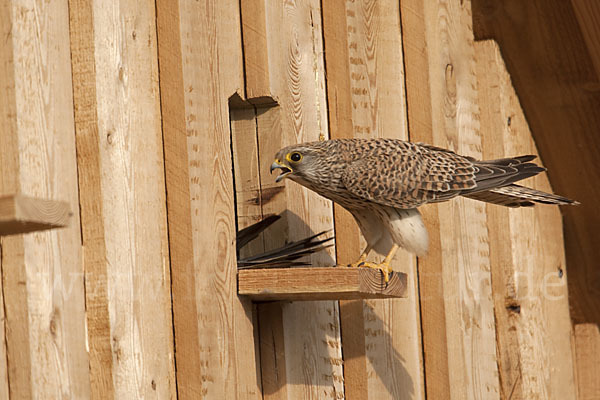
[
  {"x": 464, "y": 237},
  {"x": 256, "y": 58},
  {"x": 313, "y": 360},
  {"x": 272, "y": 351},
  {"x": 296, "y": 79},
  {"x": 587, "y": 337},
  {"x": 587, "y": 13},
  {"x": 3, "y": 356},
  {"x": 294, "y": 76},
  {"x": 177, "y": 176},
  {"x": 86, "y": 126},
  {"x": 494, "y": 113},
  {"x": 201, "y": 67},
  {"x": 556, "y": 73},
  {"x": 527, "y": 254},
  {"x": 353, "y": 332},
  {"x": 420, "y": 121},
  {"x": 348, "y": 240},
  {"x": 335, "y": 41},
  {"x": 122, "y": 191},
  {"x": 587, "y": 351},
  {"x": 465, "y": 265},
  {"x": 304, "y": 335},
  {"x": 367, "y": 99},
  {"x": 8, "y": 159},
  {"x": 43, "y": 294},
  {"x": 272, "y": 194},
  {"x": 246, "y": 173},
  {"x": 248, "y": 195}
]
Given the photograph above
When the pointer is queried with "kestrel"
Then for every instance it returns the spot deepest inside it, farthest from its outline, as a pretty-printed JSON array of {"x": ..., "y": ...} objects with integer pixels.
[{"x": 381, "y": 182}]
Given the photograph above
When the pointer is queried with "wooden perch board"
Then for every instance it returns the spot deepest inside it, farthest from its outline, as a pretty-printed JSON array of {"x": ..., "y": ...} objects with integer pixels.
[
  {"x": 324, "y": 283},
  {"x": 23, "y": 214}
]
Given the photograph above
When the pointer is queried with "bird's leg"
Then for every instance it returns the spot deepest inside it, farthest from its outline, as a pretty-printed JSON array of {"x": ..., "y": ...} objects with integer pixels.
[
  {"x": 385, "y": 265},
  {"x": 362, "y": 257}
]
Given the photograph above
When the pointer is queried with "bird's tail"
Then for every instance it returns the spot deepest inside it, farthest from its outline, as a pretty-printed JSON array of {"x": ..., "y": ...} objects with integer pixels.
[
  {"x": 287, "y": 256},
  {"x": 519, "y": 196}
]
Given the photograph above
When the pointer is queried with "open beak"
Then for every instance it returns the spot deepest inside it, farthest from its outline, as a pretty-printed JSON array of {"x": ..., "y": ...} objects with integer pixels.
[{"x": 285, "y": 170}]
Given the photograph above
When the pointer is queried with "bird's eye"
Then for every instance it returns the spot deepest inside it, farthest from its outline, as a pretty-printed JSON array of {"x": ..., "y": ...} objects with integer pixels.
[{"x": 295, "y": 157}]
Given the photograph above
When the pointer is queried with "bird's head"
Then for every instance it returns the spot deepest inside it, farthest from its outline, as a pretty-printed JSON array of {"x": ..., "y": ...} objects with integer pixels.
[{"x": 299, "y": 162}]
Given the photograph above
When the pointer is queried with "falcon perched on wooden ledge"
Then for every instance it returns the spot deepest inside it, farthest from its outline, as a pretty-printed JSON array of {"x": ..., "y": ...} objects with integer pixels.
[{"x": 381, "y": 182}]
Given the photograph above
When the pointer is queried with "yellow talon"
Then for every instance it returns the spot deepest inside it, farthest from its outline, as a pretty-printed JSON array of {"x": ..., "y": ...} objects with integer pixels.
[
  {"x": 383, "y": 267},
  {"x": 358, "y": 263},
  {"x": 361, "y": 259}
]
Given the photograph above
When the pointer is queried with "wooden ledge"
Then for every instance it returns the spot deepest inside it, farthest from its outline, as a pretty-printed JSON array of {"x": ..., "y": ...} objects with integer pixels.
[
  {"x": 324, "y": 283},
  {"x": 22, "y": 214}
]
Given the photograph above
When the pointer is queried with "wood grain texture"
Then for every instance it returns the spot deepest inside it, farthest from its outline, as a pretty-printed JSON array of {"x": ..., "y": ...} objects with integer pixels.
[
  {"x": 272, "y": 351},
  {"x": 42, "y": 273},
  {"x": 312, "y": 348},
  {"x": 246, "y": 171},
  {"x": 587, "y": 352},
  {"x": 123, "y": 199},
  {"x": 528, "y": 268},
  {"x": 86, "y": 127},
  {"x": 200, "y": 58},
  {"x": 327, "y": 283},
  {"x": 464, "y": 273},
  {"x": 252, "y": 133},
  {"x": 4, "y": 392},
  {"x": 588, "y": 14},
  {"x": 23, "y": 214},
  {"x": 339, "y": 98},
  {"x": 366, "y": 97},
  {"x": 420, "y": 121},
  {"x": 249, "y": 201},
  {"x": 181, "y": 247},
  {"x": 256, "y": 57},
  {"x": 555, "y": 72}
]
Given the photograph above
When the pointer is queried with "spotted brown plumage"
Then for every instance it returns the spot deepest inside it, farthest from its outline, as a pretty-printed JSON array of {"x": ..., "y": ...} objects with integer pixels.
[{"x": 381, "y": 182}]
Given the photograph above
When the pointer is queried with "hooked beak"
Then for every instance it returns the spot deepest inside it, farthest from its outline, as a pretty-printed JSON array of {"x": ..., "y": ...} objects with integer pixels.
[{"x": 285, "y": 170}]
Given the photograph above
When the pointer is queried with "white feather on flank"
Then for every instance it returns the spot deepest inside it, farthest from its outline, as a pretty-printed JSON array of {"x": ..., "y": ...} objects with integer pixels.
[
  {"x": 391, "y": 225},
  {"x": 407, "y": 229}
]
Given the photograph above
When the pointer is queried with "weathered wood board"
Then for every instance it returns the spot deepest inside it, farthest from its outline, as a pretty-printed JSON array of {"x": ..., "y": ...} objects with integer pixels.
[
  {"x": 363, "y": 49},
  {"x": 587, "y": 352},
  {"x": 121, "y": 177},
  {"x": 556, "y": 74},
  {"x": 288, "y": 68},
  {"x": 325, "y": 283},
  {"x": 456, "y": 294},
  {"x": 115, "y": 109},
  {"x": 44, "y": 351},
  {"x": 526, "y": 249},
  {"x": 200, "y": 58},
  {"x": 420, "y": 121},
  {"x": 4, "y": 385}
]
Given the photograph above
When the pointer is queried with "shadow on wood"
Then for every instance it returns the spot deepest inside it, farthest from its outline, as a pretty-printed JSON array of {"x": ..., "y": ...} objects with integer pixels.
[
  {"x": 23, "y": 214},
  {"x": 272, "y": 315},
  {"x": 555, "y": 73}
]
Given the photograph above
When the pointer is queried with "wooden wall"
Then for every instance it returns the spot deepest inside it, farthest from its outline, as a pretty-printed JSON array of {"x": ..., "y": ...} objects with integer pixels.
[
  {"x": 157, "y": 122},
  {"x": 557, "y": 73}
]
